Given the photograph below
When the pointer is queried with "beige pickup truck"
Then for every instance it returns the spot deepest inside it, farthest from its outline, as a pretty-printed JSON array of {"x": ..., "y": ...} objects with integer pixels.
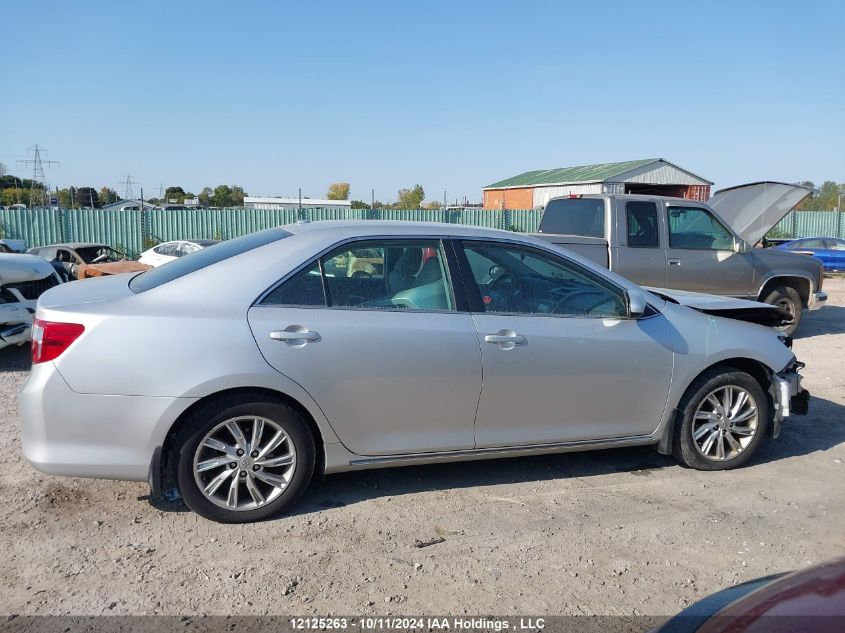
[{"x": 662, "y": 242}]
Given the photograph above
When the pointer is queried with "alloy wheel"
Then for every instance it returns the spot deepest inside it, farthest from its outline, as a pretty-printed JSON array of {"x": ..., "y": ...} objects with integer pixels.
[
  {"x": 725, "y": 423},
  {"x": 244, "y": 463}
]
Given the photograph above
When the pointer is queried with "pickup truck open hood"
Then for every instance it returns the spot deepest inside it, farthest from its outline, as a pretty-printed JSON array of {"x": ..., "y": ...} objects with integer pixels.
[
  {"x": 752, "y": 210},
  {"x": 728, "y": 307}
]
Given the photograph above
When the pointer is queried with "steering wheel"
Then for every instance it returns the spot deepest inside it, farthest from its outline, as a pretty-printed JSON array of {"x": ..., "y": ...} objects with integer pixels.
[
  {"x": 503, "y": 291},
  {"x": 603, "y": 298},
  {"x": 99, "y": 258}
]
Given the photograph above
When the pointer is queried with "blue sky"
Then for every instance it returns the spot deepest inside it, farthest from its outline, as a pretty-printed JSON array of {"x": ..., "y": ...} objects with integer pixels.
[{"x": 452, "y": 95}]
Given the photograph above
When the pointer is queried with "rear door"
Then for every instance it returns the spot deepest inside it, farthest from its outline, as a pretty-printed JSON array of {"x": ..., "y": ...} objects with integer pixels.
[
  {"x": 702, "y": 256},
  {"x": 373, "y": 332},
  {"x": 642, "y": 256}
]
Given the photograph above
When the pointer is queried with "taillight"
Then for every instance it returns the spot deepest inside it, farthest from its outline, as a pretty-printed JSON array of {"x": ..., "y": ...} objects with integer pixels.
[{"x": 50, "y": 339}]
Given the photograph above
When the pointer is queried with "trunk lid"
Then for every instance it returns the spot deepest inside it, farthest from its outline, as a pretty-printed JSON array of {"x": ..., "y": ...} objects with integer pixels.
[
  {"x": 87, "y": 291},
  {"x": 752, "y": 210}
]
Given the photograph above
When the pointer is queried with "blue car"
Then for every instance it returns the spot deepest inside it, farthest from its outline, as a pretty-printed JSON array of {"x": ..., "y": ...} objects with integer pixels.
[{"x": 830, "y": 250}]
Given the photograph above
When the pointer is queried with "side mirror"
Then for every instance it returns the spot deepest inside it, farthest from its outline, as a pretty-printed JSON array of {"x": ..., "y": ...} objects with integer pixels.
[
  {"x": 740, "y": 246},
  {"x": 636, "y": 304}
]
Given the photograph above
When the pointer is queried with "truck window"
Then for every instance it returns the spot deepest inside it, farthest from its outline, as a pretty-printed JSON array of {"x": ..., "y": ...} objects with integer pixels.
[
  {"x": 574, "y": 216},
  {"x": 642, "y": 224},
  {"x": 694, "y": 228}
]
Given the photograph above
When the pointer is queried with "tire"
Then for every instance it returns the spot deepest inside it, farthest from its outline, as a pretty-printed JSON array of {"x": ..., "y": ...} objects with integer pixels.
[
  {"x": 693, "y": 430},
  {"x": 269, "y": 478},
  {"x": 787, "y": 298}
]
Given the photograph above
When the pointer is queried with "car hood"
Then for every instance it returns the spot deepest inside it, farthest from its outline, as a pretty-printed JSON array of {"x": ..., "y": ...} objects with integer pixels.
[
  {"x": 17, "y": 246},
  {"x": 16, "y": 268},
  {"x": 728, "y": 307},
  {"x": 752, "y": 210}
]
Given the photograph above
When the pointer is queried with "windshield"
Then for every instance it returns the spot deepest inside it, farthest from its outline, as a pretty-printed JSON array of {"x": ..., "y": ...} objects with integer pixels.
[
  {"x": 574, "y": 216},
  {"x": 197, "y": 260},
  {"x": 99, "y": 254}
]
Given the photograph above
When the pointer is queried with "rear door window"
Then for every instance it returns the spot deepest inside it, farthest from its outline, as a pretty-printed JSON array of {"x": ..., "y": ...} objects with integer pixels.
[
  {"x": 641, "y": 217},
  {"x": 375, "y": 274}
]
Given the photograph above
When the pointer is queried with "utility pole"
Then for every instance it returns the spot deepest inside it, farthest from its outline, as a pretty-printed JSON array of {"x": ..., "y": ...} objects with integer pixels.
[
  {"x": 37, "y": 165},
  {"x": 372, "y": 198}
]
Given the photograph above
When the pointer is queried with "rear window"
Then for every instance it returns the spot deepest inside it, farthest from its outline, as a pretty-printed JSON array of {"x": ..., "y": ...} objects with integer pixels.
[
  {"x": 203, "y": 258},
  {"x": 574, "y": 216}
]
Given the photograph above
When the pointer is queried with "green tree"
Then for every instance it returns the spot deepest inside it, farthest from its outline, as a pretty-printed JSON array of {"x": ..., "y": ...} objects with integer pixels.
[
  {"x": 826, "y": 199},
  {"x": 205, "y": 197},
  {"x": 87, "y": 197},
  {"x": 338, "y": 191},
  {"x": 65, "y": 198},
  {"x": 226, "y": 196},
  {"x": 174, "y": 194},
  {"x": 411, "y": 198},
  {"x": 434, "y": 204},
  {"x": 107, "y": 196},
  {"x": 359, "y": 204}
]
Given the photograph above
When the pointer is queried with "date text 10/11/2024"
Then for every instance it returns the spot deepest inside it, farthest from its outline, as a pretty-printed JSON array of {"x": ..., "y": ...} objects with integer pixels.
[{"x": 388, "y": 623}]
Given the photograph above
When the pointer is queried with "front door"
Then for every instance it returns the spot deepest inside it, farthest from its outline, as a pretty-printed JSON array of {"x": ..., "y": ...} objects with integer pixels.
[
  {"x": 561, "y": 360},
  {"x": 702, "y": 256},
  {"x": 371, "y": 331}
]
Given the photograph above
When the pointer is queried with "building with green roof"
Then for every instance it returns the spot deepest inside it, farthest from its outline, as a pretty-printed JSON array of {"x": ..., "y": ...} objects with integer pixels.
[{"x": 533, "y": 189}]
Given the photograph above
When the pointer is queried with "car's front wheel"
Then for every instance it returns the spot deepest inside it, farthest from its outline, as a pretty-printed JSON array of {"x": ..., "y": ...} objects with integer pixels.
[
  {"x": 243, "y": 458},
  {"x": 722, "y": 420}
]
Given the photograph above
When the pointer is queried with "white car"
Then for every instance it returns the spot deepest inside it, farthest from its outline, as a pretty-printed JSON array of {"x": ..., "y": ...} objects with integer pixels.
[
  {"x": 22, "y": 280},
  {"x": 168, "y": 251}
]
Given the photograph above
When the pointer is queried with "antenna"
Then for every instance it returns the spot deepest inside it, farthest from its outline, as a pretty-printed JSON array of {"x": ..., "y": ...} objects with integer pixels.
[
  {"x": 128, "y": 191},
  {"x": 37, "y": 164}
]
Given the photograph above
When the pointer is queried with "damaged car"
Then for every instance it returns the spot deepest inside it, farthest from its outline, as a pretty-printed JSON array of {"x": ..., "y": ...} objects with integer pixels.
[
  {"x": 23, "y": 278},
  {"x": 295, "y": 370},
  {"x": 81, "y": 260}
]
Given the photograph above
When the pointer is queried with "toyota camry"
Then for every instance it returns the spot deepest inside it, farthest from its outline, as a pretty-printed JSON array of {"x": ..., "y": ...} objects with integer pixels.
[{"x": 327, "y": 347}]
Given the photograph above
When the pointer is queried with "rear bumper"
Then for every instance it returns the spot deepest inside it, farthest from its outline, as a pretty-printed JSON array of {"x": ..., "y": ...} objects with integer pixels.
[
  {"x": 788, "y": 396},
  {"x": 817, "y": 300},
  {"x": 86, "y": 435}
]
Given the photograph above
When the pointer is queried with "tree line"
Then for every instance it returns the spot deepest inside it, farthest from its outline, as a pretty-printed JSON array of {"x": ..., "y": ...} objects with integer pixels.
[
  {"x": 827, "y": 197},
  {"x": 407, "y": 198}
]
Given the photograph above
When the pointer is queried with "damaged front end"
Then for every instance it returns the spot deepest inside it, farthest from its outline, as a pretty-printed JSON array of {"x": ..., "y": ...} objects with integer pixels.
[{"x": 788, "y": 396}]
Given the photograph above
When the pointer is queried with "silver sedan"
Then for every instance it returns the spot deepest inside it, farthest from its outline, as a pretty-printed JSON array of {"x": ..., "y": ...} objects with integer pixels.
[{"x": 339, "y": 346}]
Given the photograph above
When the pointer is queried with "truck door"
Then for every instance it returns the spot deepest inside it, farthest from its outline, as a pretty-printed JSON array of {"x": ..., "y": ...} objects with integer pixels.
[
  {"x": 641, "y": 255},
  {"x": 702, "y": 254}
]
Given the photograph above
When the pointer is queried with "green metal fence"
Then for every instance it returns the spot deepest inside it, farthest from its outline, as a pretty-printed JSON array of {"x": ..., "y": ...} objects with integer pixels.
[{"x": 134, "y": 231}]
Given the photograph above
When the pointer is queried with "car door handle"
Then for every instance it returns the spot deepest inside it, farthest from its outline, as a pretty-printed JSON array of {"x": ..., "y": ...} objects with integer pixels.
[
  {"x": 674, "y": 262},
  {"x": 507, "y": 339},
  {"x": 295, "y": 334}
]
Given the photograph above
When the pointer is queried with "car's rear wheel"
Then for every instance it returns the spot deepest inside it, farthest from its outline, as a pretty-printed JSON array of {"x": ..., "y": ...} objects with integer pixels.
[
  {"x": 787, "y": 298},
  {"x": 244, "y": 458},
  {"x": 723, "y": 418}
]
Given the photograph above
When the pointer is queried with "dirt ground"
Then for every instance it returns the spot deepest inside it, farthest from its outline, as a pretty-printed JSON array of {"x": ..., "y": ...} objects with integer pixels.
[{"x": 612, "y": 532}]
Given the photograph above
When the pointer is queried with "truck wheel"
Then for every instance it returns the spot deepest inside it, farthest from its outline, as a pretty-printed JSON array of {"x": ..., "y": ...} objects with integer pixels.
[
  {"x": 787, "y": 298},
  {"x": 722, "y": 419}
]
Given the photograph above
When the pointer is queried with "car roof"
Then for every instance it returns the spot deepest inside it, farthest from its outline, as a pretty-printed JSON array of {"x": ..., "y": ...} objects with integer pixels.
[
  {"x": 346, "y": 228},
  {"x": 74, "y": 245}
]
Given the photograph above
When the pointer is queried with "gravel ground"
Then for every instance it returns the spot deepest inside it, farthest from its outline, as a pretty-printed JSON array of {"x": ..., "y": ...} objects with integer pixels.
[{"x": 612, "y": 532}]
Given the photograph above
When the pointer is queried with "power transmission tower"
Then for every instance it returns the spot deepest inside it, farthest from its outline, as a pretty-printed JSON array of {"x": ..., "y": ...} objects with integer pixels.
[
  {"x": 37, "y": 164},
  {"x": 128, "y": 190}
]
